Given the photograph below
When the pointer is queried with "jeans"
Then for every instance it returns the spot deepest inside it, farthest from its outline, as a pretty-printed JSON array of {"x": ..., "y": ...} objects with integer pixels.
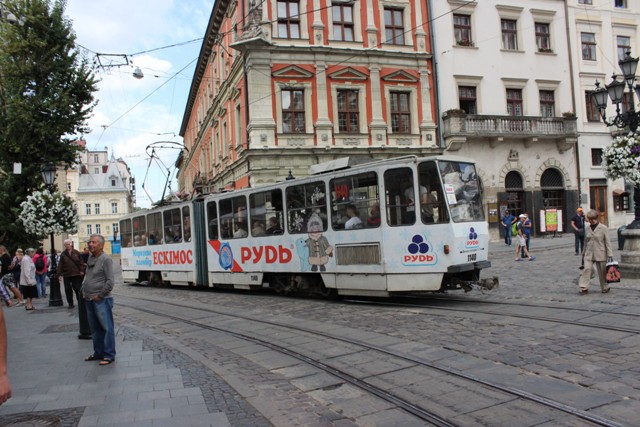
[
  {"x": 579, "y": 244},
  {"x": 103, "y": 334},
  {"x": 507, "y": 236},
  {"x": 41, "y": 284}
]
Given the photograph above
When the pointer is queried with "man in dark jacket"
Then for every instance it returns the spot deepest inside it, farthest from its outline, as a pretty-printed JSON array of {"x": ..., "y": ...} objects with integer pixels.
[{"x": 71, "y": 269}]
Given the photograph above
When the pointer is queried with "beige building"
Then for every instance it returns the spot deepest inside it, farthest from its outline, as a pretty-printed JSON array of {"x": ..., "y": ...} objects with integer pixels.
[
  {"x": 601, "y": 33},
  {"x": 104, "y": 190},
  {"x": 504, "y": 81}
]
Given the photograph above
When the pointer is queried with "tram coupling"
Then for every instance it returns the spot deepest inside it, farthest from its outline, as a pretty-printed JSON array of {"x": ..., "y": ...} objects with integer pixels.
[{"x": 485, "y": 284}]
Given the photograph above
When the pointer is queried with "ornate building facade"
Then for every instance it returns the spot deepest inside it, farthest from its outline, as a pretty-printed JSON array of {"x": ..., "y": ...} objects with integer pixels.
[
  {"x": 504, "y": 79},
  {"x": 284, "y": 84}
]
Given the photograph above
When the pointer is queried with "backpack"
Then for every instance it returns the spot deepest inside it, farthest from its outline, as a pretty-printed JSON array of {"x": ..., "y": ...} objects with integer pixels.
[
  {"x": 39, "y": 263},
  {"x": 514, "y": 228}
]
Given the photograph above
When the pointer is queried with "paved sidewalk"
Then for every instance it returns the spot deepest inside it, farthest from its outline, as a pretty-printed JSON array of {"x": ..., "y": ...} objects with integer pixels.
[{"x": 53, "y": 385}]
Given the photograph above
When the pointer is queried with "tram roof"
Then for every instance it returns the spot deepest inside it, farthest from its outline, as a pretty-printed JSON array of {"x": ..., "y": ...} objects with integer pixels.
[{"x": 337, "y": 165}]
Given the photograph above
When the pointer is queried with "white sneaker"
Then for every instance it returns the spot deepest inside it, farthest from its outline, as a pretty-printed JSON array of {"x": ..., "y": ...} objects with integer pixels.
[{"x": 19, "y": 303}]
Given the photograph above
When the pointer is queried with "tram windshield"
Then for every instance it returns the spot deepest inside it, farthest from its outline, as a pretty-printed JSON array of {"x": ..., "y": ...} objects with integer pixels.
[{"x": 463, "y": 190}]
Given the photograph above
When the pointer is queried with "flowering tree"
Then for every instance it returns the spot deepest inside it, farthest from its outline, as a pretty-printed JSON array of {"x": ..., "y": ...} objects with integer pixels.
[
  {"x": 44, "y": 213},
  {"x": 621, "y": 159}
]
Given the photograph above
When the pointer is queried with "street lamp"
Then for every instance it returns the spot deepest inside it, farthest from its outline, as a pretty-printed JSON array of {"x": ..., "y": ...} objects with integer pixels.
[
  {"x": 55, "y": 297},
  {"x": 629, "y": 118},
  {"x": 630, "y": 256}
]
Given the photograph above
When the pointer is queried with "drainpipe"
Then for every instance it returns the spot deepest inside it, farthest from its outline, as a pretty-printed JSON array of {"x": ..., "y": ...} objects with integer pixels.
[
  {"x": 435, "y": 76},
  {"x": 576, "y": 150}
]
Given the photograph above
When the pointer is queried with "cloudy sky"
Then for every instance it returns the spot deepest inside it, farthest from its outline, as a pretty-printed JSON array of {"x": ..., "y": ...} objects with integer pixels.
[{"x": 133, "y": 113}]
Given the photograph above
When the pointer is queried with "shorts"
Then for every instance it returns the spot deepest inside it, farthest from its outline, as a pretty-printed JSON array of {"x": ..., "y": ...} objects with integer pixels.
[
  {"x": 9, "y": 281},
  {"x": 522, "y": 241}
]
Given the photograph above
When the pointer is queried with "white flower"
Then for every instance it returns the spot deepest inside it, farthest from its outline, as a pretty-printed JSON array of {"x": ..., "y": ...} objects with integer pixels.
[
  {"x": 44, "y": 213},
  {"x": 621, "y": 159}
]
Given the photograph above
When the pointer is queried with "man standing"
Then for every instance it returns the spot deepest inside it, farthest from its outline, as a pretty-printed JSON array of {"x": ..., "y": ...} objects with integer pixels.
[
  {"x": 71, "y": 269},
  {"x": 577, "y": 222},
  {"x": 96, "y": 290},
  {"x": 507, "y": 223}
]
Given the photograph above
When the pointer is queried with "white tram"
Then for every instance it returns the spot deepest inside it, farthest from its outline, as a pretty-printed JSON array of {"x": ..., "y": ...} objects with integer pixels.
[{"x": 401, "y": 225}]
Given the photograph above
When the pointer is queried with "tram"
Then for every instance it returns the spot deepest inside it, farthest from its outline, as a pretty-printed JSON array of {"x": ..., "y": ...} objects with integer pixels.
[{"x": 379, "y": 228}]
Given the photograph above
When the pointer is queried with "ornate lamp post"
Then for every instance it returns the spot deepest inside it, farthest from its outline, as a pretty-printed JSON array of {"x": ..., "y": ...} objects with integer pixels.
[
  {"x": 630, "y": 257},
  {"x": 55, "y": 297}
]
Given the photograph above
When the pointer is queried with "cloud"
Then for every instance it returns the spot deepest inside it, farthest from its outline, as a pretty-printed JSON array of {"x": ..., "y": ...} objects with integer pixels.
[{"x": 133, "y": 113}]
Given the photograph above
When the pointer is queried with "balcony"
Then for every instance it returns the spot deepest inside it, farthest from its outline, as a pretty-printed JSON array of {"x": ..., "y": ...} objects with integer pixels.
[{"x": 459, "y": 128}]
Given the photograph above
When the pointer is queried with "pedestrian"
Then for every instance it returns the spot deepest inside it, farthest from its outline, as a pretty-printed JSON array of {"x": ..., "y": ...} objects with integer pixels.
[
  {"x": 5, "y": 384},
  {"x": 85, "y": 254},
  {"x": 526, "y": 229},
  {"x": 71, "y": 270},
  {"x": 578, "y": 223},
  {"x": 28, "y": 278},
  {"x": 42, "y": 265},
  {"x": 96, "y": 290},
  {"x": 16, "y": 265},
  {"x": 522, "y": 242},
  {"x": 597, "y": 250},
  {"x": 6, "y": 276},
  {"x": 507, "y": 222}
]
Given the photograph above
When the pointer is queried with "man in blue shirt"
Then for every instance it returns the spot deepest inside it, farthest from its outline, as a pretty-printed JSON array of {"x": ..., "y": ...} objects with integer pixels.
[
  {"x": 507, "y": 222},
  {"x": 577, "y": 223}
]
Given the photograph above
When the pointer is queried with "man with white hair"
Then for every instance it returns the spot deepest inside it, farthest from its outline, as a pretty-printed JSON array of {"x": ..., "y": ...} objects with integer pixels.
[
  {"x": 71, "y": 269},
  {"x": 96, "y": 290}
]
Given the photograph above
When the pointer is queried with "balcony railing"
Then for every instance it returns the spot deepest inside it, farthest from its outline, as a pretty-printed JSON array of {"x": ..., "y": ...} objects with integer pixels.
[{"x": 460, "y": 128}]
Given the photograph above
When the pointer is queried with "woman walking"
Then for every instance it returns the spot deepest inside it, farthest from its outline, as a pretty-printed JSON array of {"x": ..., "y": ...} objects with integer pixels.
[{"x": 597, "y": 249}]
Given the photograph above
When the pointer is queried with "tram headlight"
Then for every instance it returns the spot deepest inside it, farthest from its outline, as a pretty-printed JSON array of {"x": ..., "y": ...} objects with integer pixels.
[{"x": 446, "y": 249}]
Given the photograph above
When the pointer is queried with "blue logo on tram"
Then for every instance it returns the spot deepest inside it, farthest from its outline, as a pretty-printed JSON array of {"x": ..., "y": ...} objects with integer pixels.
[
  {"x": 472, "y": 239},
  {"x": 419, "y": 252},
  {"x": 225, "y": 256}
]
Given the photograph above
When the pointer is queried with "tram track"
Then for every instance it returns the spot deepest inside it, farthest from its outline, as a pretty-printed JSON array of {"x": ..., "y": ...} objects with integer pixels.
[
  {"x": 467, "y": 309},
  {"x": 411, "y": 407}
]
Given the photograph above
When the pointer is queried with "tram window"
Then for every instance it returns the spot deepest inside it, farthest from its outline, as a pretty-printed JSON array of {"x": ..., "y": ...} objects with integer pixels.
[
  {"x": 125, "y": 233},
  {"x": 400, "y": 196},
  {"x": 233, "y": 218},
  {"x": 186, "y": 223},
  {"x": 307, "y": 207},
  {"x": 355, "y": 201},
  {"x": 154, "y": 229},
  {"x": 266, "y": 213},
  {"x": 212, "y": 217},
  {"x": 172, "y": 226},
  {"x": 463, "y": 189},
  {"x": 139, "y": 231},
  {"x": 432, "y": 207}
]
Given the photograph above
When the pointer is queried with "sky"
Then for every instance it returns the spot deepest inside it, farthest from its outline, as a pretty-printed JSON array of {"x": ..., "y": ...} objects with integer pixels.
[{"x": 133, "y": 113}]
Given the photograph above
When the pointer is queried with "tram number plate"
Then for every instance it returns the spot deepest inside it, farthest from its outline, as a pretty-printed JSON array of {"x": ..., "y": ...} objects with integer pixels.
[
  {"x": 254, "y": 278},
  {"x": 471, "y": 257}
]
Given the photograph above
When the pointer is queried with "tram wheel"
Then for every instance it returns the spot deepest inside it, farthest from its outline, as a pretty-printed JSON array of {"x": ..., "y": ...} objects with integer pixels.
[
  {"x": 328, "y": 293},
  {"x": 281, "y": 285}
]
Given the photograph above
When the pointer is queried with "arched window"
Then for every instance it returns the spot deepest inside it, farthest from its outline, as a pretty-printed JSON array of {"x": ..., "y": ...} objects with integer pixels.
[
  {"x": 515, "y": 192},
  {"x": 552, "y": 185}
]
